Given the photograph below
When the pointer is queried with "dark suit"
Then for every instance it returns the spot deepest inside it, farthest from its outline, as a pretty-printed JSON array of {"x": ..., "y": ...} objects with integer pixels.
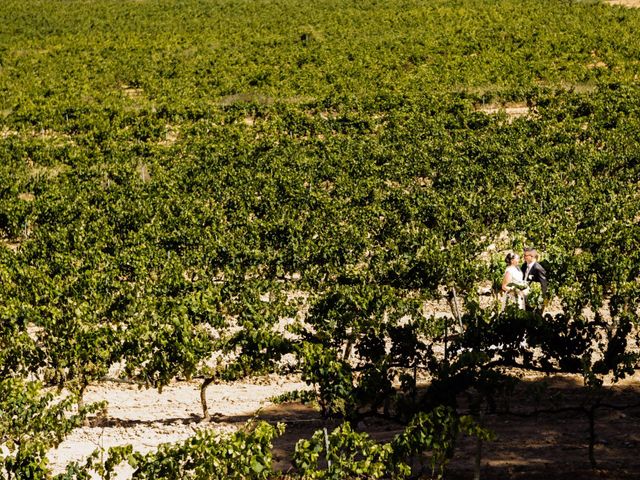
[{"x": 536, "y": 274}]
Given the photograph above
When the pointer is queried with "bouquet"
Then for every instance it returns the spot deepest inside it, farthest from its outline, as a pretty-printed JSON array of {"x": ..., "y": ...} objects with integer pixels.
[{"x": 535, "y": 298}]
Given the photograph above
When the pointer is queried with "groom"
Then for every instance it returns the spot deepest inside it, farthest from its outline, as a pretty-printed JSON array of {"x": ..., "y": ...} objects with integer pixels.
[{"x": 532, "y": 271}]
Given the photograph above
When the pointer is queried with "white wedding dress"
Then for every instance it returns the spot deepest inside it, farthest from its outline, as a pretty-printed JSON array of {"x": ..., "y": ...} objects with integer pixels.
[{"x": 516, "y": 295}]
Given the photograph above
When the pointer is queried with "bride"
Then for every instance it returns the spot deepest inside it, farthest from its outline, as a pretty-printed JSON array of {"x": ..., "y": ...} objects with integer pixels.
[{"x": 513, "y": 284}]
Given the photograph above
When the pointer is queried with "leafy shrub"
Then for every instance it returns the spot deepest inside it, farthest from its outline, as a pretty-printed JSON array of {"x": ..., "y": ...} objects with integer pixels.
[
  {"x": 32, "y": 421},
  {"x": 209, "y": 455}
]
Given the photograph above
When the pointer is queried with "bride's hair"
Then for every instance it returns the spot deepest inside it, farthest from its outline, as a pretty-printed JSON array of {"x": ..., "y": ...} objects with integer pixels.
[{"x": 509, "y": 257}]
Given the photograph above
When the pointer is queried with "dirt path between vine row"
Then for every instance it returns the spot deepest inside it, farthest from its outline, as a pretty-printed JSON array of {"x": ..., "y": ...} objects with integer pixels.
[
  {"x": 547, "y": 446},
  {"x": 625, "y": 3}
]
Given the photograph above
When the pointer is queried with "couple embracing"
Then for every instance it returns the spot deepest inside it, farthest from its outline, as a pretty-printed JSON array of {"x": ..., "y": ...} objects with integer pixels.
[{"x": 516, "y": 280}]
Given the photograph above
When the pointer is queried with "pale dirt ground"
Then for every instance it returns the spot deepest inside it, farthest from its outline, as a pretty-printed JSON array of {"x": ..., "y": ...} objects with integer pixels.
[
  {"x": 548, "y": 446},
  {"x": 146, "y": 418},
  {"x": 625, "y": 3}
]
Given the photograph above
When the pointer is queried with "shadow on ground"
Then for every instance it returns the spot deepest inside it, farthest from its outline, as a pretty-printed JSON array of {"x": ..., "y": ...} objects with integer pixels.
[{"x": 542, "y": 432}]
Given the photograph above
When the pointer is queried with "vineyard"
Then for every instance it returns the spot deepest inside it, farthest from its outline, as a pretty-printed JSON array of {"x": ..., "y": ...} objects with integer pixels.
[{"x": 201, "y": 196}]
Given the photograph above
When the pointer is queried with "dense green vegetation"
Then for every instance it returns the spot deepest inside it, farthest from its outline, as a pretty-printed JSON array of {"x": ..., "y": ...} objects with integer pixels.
[
  {"x": 172, "y": 171},
  {"x": 191, "y": 56}
]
